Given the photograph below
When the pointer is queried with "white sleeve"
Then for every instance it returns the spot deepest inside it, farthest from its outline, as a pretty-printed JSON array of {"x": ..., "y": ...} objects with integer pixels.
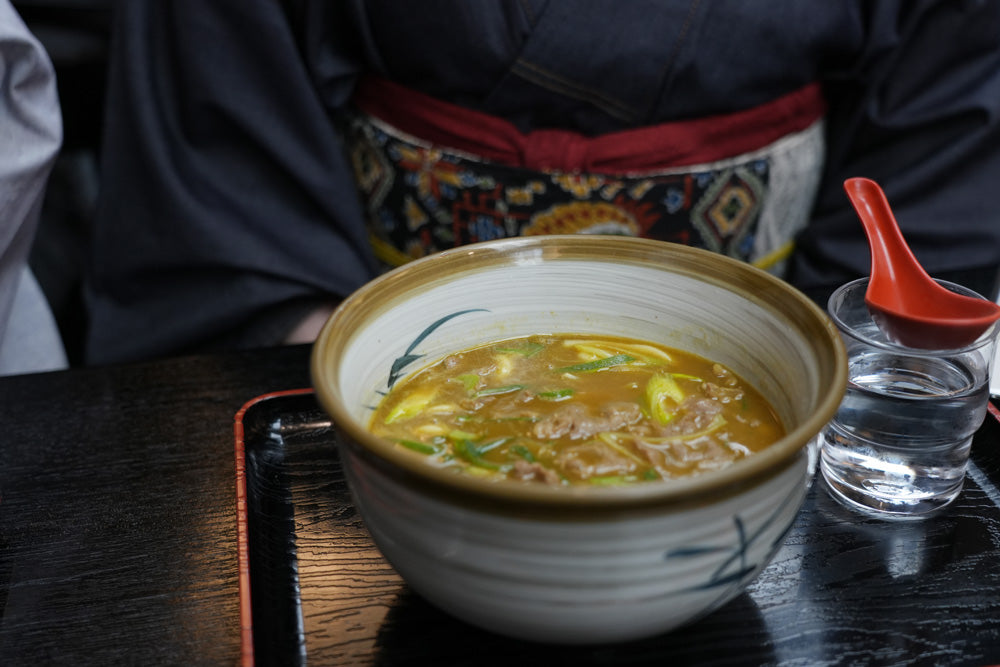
[{"x": 30, "y": 138}]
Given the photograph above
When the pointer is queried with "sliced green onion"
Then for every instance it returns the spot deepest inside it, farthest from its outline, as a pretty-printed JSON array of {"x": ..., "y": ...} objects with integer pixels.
[
  {"x": 523, "y": 452},
  {"x": 456, "y": 434},
  {"x": 497, "y": 391},
  {"x": 597, "y": 349},
  {"x": 410, "y": 405},
  {"x": 598, "y": 364},
  {"x": 556, "y": 394},
  {"x": 480, "y": 471},
  {"x": 468, "y": 380},
  {"x": 419, "y": 447},
  {"x": 476, "y": 419},
  {"x": 467, "y": 450},
  {"x": 660, "y": 389},
  {"x": 493, "y": 444}
]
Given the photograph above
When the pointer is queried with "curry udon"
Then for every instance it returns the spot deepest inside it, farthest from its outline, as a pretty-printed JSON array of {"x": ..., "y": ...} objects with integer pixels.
[{"x": 570, "y": 409}]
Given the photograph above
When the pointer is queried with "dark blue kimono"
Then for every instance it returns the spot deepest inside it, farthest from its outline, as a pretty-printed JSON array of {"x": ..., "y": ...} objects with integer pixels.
[{"x": 229, "y": 207}]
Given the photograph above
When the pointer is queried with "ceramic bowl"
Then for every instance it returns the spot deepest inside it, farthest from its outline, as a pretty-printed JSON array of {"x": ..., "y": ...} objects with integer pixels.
[{"x": 579, "y": 565}]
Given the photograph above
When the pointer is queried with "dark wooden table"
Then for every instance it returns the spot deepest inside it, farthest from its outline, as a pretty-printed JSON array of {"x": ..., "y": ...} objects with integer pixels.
[{"x": 118, "y": 545}]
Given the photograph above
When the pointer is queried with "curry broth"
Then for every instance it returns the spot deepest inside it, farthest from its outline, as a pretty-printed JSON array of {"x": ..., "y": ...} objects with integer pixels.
[{"x": 577, "y": 409}]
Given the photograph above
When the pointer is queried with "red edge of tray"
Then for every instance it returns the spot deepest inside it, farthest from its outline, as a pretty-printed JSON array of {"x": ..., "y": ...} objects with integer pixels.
[{"x": 242, "y": 537}]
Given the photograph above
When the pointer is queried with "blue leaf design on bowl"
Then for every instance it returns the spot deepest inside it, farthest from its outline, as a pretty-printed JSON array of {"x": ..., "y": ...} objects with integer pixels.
[
  {"x": 734, "y": 570},
  {"x": 409, "y": 356}
]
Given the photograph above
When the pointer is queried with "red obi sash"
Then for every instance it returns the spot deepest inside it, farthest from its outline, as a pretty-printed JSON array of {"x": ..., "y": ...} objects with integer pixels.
[{"x": 655, "y": 148}]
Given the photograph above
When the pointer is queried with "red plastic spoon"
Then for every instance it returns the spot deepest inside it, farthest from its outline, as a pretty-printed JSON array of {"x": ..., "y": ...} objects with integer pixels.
[{"x": 909, "y": 306}]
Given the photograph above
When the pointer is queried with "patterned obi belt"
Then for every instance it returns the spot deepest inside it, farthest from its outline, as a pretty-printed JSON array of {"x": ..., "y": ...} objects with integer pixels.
[{"x": 433, "y": 176}]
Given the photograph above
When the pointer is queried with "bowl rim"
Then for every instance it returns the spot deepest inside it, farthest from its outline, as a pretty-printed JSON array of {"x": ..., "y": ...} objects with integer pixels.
[{"x": 766, "y": 290}]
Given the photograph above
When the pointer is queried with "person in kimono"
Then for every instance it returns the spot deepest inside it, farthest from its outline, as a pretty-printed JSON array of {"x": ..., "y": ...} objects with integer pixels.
[{"x": 264, "y": 160}]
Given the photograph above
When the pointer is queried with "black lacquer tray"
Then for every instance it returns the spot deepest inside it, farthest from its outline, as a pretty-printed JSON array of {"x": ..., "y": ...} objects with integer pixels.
[{"x": 844, "y": 589}]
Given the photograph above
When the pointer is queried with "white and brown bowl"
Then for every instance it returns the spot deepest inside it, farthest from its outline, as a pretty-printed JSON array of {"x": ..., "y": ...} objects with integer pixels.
[{"x": 564, "y": 564}]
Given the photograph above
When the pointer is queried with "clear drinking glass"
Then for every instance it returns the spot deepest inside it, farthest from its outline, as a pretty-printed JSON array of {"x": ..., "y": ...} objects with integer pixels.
[{"x": 899, "y": 443}]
